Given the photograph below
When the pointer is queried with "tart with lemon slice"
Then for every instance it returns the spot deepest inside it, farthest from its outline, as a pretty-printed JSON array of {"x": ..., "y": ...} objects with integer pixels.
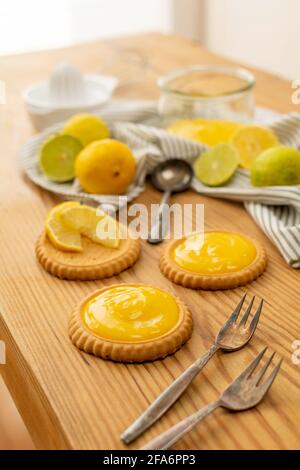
[
  {"x": 83, "y": 243},
  {"x": 131, "y": 323},
  {"x": 213, "y": 260}
]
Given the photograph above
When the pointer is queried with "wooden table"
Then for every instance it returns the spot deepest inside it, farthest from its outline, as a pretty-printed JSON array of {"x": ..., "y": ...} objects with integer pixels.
[{"x": 71, "y": 400}]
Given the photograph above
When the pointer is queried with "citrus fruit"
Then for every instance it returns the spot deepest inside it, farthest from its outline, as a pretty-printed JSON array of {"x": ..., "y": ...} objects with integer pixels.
[
  {"x": 93, "y": 223},
  {"x": 206, "y": 131},
  {"x": 57, "y": 157},
  {"x": 277, "y": 166},
  {"x": 61, "y": 236},
  {"x": 105, "y": 167},
  {"x": 86, "y": 128},
  {"x": 251, "y": 141},
  {"x": 217, "y": 165}
]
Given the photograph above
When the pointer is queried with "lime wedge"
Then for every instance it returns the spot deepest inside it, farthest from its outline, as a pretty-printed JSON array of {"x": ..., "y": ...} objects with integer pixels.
[
  {"x": 217, "y": 165},
  {"x": 57, "y": 157}
]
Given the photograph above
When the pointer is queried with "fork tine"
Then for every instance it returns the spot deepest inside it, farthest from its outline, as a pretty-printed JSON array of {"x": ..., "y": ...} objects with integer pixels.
[
  {"x": 234, "y": 316},
  {"x": 262, "y": 371},
  {"x": 256, "y": 317},
  {"x": 247, "y": 313},
  {"x": 265, "y": 386},
  {"x": 247, "y": 372}
]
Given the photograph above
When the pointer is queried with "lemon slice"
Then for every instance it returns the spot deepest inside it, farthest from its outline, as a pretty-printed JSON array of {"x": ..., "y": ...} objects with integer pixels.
[
  {"x": 217, "y": 165},
  {"x": 251, "y": 141},
  {"x": 207, "y": 131},
  {"x": 93, "y": 223},
  {"x": 57, "y": 157},
  {"x": 86, "y": 128},
  {"x": 61, "y": 236}
]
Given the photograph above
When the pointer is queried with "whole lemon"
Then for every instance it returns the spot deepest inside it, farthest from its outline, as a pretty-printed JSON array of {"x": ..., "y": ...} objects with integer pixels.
[
  {"x": 105, "y": 167},
  {"x": 86, "y": 128},
  {"x": 278, "y": 166}
]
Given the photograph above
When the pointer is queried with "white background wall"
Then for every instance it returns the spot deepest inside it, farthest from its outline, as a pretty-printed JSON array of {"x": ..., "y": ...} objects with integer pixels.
[
  {"x": 263, "y": 33},
  {"x": 39, "y": 24},
  {"x": 105, "y": 18}
]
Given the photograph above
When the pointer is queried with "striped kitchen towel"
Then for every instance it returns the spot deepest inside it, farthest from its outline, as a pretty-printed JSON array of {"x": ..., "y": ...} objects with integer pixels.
[{"x": 275, "y": 209}]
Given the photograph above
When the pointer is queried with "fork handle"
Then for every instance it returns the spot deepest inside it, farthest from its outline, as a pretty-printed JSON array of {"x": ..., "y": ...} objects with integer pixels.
[
  {"x": 165, "y": 440},
  {"x": 166, "y": 399}
]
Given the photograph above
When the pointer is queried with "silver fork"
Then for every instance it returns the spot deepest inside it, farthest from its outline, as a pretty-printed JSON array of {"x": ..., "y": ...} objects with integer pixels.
[
  {"x": 232, "y": 337},
  {"x": 245, "y": 392}
]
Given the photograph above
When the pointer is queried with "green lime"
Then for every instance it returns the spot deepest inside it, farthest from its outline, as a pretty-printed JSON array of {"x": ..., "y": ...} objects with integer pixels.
[
  {"x": 217, "y": 165},
  {"x": 57, "y": 157},
  {"x": 278, "y": 166}
]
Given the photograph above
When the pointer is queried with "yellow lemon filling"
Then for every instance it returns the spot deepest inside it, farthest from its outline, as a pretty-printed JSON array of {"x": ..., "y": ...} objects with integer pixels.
[
  {"x": 131, "y": 313},
  {"x": 214, "y": 253}
]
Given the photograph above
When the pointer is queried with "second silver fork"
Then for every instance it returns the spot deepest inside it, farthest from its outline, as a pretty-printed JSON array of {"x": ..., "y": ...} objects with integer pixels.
[
  {"x": 232, "y": 337},
  {"x": 245, "y": 392}
]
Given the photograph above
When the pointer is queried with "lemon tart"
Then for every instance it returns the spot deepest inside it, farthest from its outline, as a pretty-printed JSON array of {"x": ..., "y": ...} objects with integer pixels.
[
  {"x": 213, "y": 260},
  {"x": 82, "y": 243},
  {"x": 131, "y": 323}
]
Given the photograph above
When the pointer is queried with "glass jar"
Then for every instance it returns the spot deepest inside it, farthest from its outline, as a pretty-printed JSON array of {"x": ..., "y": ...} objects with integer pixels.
[{"x": 207, "y": 91}]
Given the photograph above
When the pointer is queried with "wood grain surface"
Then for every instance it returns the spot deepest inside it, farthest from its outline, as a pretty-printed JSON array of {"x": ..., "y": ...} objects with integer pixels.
[
  {"x": 72, "y": 400},
  {"x": 13, "y": 434}
]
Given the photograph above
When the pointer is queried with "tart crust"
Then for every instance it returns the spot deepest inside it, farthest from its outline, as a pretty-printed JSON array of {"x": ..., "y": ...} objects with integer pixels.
[
  {"x": 95, "y": 262},
  {"x": 128, "y": 352},
  {"x": 186, "y": 278}
]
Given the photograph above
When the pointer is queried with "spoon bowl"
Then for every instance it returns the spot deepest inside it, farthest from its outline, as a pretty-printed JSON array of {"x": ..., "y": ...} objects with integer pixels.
[{"x": 170, "y": 176}]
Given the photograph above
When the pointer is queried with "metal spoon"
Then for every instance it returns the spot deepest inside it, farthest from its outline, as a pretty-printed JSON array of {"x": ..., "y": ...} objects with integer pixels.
[{"x": 171, "y": 176}]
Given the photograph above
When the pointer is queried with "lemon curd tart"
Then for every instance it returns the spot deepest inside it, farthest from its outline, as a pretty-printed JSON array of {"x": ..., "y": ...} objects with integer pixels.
[
  {"x": 131, "y": 323},
  {"x": 82, "y": 243},
  {"x": 213, "y": 260}
]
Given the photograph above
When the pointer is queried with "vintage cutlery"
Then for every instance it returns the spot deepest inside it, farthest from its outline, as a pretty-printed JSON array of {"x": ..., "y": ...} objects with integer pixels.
[
  {"x": 231, "y": 337},
  {"x": 170, "y": 176},
  {"x": 245, "y": 392}
]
